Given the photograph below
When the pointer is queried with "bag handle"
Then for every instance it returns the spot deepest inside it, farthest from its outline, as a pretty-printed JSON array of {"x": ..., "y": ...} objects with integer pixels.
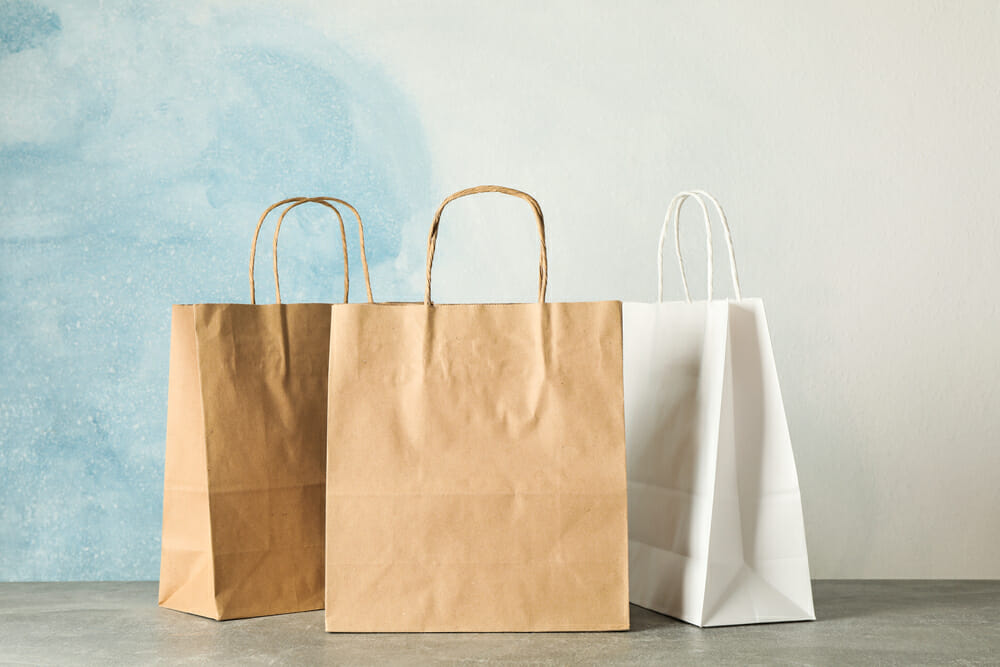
[
  {"x": 298, "y": 201},
  {"x": 543, "y": 264},
  {"x": 295, "y": 201},
  {"x": 674, "y": 209}
]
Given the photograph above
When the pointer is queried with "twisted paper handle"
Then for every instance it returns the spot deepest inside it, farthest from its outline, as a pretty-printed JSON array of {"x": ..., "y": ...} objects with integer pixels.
[
  {"x": 298, "y": 201},
  {"x": 674, "y": 210},
  {"x": 543, "y": 264}
]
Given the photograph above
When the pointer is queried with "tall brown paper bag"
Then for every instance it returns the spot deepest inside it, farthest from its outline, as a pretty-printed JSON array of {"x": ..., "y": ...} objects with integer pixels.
[
  {"x": 477, "y": 480},
  {"x": 245, "y": 464}
]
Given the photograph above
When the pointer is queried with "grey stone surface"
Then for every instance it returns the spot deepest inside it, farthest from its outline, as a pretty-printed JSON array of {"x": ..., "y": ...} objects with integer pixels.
[{"x": 860, "y": 622}]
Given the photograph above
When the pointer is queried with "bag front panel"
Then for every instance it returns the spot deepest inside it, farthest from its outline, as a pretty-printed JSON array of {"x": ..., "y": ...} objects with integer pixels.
[
  {"x": 263, "y": 374},
  {"x": 477, "y": 479},
  {"x": 675, "y": 356}
]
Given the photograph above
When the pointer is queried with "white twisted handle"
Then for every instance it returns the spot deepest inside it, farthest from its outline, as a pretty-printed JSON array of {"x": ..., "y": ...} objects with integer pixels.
[{"x": 674, "y": 209}]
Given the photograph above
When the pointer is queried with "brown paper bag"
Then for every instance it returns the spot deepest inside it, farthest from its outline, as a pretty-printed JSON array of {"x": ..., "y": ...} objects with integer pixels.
[
  {"x": 477, "y": 481},
  {"x": 245, "y": 465}
]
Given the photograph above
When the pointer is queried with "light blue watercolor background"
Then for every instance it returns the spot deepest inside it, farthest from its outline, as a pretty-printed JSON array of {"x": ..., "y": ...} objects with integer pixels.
[{"x": 138, "y": 144}]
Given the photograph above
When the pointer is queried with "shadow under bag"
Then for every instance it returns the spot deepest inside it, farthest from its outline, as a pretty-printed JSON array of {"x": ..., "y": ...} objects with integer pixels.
[
  {"x": 477, "y": 481},
  {"x": 244, "y": 479},
  {"x": 716, "y": 535}
]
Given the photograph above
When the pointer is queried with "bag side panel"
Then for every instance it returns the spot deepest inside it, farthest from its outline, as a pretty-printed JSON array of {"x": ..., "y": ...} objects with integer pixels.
[
  {"x": 727, "y": 599},
  {"x": 773, "y": 531},
  {"x": 186, "y": 567}
]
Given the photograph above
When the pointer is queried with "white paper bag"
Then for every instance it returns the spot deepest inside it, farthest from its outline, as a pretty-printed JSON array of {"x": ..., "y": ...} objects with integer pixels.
[{"x": 716, "y": 535}]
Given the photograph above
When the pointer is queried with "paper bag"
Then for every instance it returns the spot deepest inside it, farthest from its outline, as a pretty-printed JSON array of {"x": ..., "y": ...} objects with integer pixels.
[
  {"x": 477, "y": 482},
  {"x": 716, "y": 535},
  {"x": 244, "y": 478}
]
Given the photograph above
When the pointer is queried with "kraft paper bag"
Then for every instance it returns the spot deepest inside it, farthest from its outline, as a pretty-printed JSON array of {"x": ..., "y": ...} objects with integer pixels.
[
  {"x": 477, "y": 482},
  {"x": 245, "y": 469},
  {"x": 716, "y": 534}
]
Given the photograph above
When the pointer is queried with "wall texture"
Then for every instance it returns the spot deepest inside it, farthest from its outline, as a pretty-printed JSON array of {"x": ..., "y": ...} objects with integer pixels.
[{"x": 853, "y": 143}]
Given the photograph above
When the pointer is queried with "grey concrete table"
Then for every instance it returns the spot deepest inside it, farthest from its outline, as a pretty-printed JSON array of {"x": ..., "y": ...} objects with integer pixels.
[{"x": 860, "y": 622}]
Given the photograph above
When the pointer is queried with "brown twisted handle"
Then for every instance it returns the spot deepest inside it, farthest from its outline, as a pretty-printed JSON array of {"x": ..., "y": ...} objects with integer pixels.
[
  {"x": 543, "y": 264},
  {"x": 274, "y": 244},
  {"x": 298, "y": 201}
]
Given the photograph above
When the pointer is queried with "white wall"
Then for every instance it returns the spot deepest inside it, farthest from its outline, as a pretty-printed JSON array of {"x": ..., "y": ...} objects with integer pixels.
[{"x": 855, "y": 147}]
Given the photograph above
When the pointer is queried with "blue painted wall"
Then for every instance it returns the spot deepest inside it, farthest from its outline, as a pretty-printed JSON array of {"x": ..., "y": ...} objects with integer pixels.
[{"x": 138, "y": 145}]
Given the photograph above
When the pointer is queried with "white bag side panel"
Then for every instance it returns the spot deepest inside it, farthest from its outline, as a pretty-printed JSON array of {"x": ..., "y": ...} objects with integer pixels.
[
  {"x": 773, "y": 584},
  {"x": 723, "y": 592},
  {"x": 779, "y": 554}
]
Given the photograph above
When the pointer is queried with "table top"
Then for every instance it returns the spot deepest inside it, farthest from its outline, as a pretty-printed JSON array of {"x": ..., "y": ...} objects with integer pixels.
[{"x": 859, "y": 622}]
